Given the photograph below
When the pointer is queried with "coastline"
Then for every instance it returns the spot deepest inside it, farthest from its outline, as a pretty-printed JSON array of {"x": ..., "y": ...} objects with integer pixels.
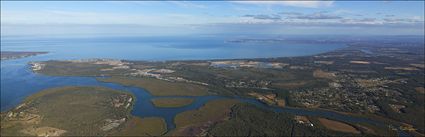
[
  {"x": 10, "y": 55},
  {"x": 262, "y": 59}
]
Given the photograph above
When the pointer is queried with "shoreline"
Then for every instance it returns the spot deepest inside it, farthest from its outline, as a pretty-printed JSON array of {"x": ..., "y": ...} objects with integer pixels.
[
  {"x": 250, "y": 59},
  {"x": 11, "y": 55}
]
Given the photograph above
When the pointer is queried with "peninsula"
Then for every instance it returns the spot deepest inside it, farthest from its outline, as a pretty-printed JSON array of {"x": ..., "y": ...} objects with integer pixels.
[
  {"x": 5, "y": 55},
  {"x": 78, "y": 111}
]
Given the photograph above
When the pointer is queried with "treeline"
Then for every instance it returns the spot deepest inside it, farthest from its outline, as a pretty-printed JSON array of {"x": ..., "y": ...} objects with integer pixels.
[{"x": 248, "y": 120}]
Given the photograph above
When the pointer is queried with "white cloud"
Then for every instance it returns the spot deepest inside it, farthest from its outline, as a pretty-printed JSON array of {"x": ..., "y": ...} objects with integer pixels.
[
  {"x": 188, "y": 4},
  {"x": 306, "y": 4},
  {"x": 93, "y": 18}
]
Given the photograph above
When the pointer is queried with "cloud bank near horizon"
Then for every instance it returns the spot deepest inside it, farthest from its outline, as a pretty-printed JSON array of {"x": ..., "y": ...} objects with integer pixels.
[{"x": 186, "y": 17}]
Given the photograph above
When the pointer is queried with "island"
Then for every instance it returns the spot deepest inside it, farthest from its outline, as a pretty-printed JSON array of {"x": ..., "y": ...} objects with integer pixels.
[
  {"x": 6, "y": 55},
  {"x": 78, "y": 111}
]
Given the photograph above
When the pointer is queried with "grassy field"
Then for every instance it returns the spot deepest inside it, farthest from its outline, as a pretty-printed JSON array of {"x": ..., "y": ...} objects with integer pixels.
[
  {"x": 374, "y": 130},
  {"x": 338, "y": 126},
  {"x": 150, "y": 126},
  {"x": 159, "y": 87},
  {"x": 362, "y": 126},
  {"x": 69, "y": 111},
  {"x": 172, "y": 102},
  {"x": 193, "y": 122}
]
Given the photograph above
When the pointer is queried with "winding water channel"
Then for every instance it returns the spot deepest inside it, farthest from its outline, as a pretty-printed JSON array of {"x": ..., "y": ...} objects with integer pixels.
[{"x": 18, "y": 82}]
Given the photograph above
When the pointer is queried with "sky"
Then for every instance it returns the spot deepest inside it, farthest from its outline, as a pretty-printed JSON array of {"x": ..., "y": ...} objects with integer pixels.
[{"x": 212, "y": 17}]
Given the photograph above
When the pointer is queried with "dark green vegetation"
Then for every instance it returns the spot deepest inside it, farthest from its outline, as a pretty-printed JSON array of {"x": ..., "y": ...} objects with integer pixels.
[
  {"x": 5, "y": 55},
  {"x": 382, "y": 81},
  {"x": 171, "y": 102},
  {"x": 248, "y": 120},
  {"x": 73, "y": 111},
  {"x": 231, "y": 118}
]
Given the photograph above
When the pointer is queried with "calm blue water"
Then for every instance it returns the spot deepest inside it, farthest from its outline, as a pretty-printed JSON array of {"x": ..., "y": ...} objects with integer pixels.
[
  {"x": 158, "y": 48},
  {"x": 18, "y": 81}
]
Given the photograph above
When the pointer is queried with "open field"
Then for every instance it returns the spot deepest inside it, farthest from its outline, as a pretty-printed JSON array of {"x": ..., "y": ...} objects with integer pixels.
[
  {"x": 420, "y": 90},
  {"x": 69, "y": 111},
  {"x": 338, "y": 126},
  {"x": 149, "y": 126},
  {"x": 418, "y": 65},
  {"x": 160, "y": 88},
  {"x": 322, "y": 74},
  {"x": 195, "y": 122},
  {"x": 172, "y": 102}
]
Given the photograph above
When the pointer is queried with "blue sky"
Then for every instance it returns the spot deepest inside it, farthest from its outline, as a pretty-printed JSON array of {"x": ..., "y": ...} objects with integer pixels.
[{"x": 212, "y": 17}]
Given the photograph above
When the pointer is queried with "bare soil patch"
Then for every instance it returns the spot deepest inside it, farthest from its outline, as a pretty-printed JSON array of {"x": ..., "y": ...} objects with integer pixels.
[
  {"x": 418, "y": 65},
  {"x": 338, "y": 126},
  {"x": 359, "y": 62},
  {"x": 401, "y": 68}
]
